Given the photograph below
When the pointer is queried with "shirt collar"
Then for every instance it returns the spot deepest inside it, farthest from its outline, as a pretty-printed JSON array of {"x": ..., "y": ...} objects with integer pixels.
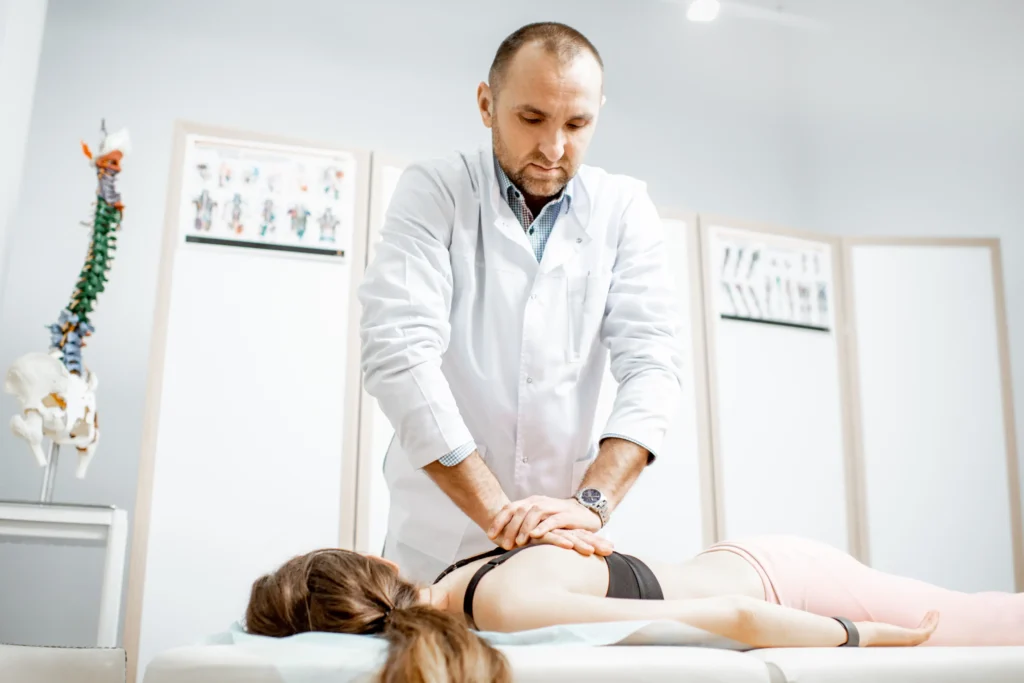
[{"x": 505, "y": 183}]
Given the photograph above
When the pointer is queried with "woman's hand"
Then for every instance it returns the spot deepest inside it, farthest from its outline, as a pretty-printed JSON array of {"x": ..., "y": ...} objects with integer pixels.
[{"x": 874, "y": 634}]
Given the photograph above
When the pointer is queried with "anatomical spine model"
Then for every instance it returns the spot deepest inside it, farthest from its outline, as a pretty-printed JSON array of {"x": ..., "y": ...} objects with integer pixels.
[{"x": 56, "y": 390}]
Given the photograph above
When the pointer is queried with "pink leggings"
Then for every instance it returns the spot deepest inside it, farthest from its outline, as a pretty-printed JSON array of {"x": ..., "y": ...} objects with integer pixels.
[{"x": 820, "y": 579}]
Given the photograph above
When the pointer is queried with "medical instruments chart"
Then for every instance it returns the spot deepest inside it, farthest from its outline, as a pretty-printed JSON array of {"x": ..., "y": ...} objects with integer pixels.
[
  {"x": 774, "y": 283},
  {"x": 279, "y": 198}
]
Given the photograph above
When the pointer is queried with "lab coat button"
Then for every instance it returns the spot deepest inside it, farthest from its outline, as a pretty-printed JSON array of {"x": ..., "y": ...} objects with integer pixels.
[
  {"x": 529, "y": 380},
  {"x": 579, "y": 240}
]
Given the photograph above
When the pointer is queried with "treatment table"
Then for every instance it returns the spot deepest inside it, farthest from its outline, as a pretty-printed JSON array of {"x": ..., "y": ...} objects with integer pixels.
[{"x": 552, "y": 664}]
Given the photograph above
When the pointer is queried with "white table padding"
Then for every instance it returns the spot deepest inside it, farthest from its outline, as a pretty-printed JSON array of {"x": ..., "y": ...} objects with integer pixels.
[
  {"x": 210, "y": 664},
  {"x": 40, "y": 664},
  {"x": 896, "y": 665},
  {"x": 530, "y": 664},
  {"x": 543, "y": 663},
  {"x": 648, "y": 663}
]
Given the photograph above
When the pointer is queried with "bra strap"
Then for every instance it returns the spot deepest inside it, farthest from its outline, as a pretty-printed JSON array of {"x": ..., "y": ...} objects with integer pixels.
[
  {"x": 467, "y": 600},
  {"x": 469, "y": 560}
]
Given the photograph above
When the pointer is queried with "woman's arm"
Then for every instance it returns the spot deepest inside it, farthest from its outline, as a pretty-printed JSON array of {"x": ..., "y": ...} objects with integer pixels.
[
  {"x": 768, "y": 625},
  {"x": 745, "y": 620}
]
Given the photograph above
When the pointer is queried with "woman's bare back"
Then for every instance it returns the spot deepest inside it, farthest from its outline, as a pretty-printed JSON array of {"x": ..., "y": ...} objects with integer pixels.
[{"x": 711, "y": 574}]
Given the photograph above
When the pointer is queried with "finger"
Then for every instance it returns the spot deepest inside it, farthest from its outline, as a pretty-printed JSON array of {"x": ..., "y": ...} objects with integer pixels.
[
  {"x": 534, "y": 517},
  {"x": 512, "y": 529},
  {"x": 924, "y": 630},
  {"x": 581, "y": 544},
  {"x": 576, "y": 517},
  {"x": 550, "y": 524},
  {"x": 500, "y": 520},
  {"x": 931, "y": 621},
  {"x": 602, "y": 546},
  {"x": 582, "y": 547},
  {"x": 555, "y": 538}
]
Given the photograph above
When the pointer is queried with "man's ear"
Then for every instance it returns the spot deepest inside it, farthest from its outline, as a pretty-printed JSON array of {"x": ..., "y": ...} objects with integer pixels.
[
  {"x": 603, "y": 100},
  {"x": 485, "y": 102}
]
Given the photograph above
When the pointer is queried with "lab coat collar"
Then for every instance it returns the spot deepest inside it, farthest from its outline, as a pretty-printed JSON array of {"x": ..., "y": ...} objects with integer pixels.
[{"x": 571, "y": 231}]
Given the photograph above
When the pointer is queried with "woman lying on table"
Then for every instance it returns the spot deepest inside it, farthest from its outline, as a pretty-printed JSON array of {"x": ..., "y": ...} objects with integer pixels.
[{"x": 773, "y": 591}]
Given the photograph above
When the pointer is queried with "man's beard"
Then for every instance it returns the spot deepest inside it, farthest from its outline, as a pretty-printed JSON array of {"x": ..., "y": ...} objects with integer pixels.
[{"x": 518, "y": 176}]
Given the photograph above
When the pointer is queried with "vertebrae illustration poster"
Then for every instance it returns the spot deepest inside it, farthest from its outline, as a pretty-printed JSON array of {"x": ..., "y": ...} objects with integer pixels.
[{"x": 268, "y": 196}]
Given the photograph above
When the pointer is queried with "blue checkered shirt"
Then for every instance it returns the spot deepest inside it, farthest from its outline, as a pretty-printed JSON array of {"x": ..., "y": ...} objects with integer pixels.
[{"x": 538, "y": 229}]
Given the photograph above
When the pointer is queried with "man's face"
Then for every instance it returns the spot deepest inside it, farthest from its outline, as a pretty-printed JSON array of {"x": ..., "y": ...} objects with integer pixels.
[{"x": 543, "y": 118}]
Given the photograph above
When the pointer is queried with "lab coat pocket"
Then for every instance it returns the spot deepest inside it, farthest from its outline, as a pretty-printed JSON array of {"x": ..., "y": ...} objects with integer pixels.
[{"x": 576, "y": 307}]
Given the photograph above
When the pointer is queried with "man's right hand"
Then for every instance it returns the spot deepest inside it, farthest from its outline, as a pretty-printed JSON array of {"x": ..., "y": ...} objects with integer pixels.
[
  {"x": 473, "y": 488},
  {"x": 582, "y": 541}
]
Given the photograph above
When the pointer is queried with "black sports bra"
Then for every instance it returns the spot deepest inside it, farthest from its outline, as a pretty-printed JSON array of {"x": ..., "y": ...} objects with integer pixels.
[{"x": 628, "y": 577}]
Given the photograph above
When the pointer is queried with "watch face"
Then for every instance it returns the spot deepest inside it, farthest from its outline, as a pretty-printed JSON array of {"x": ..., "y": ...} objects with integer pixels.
[{"x": 590, "y": 496}]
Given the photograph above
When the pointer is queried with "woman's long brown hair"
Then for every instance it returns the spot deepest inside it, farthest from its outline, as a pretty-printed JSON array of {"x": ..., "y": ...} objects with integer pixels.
[{"x": 344, "y": 592}]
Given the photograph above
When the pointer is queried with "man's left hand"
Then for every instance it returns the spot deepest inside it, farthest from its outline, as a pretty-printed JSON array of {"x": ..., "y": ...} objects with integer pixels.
[{"x": 531, "y": 518}]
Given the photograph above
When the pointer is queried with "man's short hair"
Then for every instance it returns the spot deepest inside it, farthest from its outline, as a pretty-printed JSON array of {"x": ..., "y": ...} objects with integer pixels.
[{"x": 558, "y": 39}]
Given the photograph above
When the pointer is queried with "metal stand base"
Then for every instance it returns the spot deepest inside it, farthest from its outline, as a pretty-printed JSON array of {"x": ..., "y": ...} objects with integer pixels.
[{"x": 50, "y": 474}]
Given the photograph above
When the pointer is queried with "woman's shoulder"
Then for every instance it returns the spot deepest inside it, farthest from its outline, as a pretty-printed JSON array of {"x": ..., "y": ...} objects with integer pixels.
[
  {"x": 539, "y": 566},
  {"x": 548, "y": 560},
  {"x": 535, "y": 566}
]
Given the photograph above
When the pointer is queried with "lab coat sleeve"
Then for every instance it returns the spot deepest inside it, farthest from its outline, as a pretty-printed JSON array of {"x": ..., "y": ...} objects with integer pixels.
[
  {"x": 406, "y": 297},
  {"x": 641, "y": 329}
]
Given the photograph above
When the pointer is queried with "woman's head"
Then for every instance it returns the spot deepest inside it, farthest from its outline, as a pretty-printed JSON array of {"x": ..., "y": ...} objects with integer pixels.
[{"x": 340, "y": 591}]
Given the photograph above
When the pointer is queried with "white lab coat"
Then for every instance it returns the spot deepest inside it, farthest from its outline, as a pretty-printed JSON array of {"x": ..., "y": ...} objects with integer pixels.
[{"x": 465, "y": 336}]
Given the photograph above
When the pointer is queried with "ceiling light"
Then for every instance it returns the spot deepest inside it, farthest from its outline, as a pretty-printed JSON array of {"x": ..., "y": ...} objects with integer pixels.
[{"x": 702, "y": 10}]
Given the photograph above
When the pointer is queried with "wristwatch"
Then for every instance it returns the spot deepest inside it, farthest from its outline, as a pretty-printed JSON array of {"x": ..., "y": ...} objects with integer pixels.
[{"x": 592, "y": 499}]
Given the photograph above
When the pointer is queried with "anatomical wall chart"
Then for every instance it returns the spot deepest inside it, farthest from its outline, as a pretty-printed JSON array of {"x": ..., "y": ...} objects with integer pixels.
[{"x": 269, "y": 197}]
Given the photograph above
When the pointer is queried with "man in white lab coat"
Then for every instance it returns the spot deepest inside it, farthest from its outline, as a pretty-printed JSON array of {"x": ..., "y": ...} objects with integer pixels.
[{"x": 503, "y": 282}]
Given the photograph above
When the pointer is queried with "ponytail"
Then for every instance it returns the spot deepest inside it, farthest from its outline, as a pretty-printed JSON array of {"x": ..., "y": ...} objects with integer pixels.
[
  {"x": 431, "y": 646},
  {"x": 338, "y": 591}
]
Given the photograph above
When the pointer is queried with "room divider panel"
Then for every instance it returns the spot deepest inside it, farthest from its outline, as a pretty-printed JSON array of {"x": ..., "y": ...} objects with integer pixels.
[
  {"x": 375, "y": 432},
  {"x": 780, "y": 418},
  {"x": 936, "y": 441},
  {"x": 253, "y": 387}
]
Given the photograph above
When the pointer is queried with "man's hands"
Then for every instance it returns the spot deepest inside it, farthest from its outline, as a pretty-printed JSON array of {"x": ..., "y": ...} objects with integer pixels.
[
  {"x": 541, "y": 519},
  {"x": 558, "y": 521},
  {"x": 565, "y": 522}
]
